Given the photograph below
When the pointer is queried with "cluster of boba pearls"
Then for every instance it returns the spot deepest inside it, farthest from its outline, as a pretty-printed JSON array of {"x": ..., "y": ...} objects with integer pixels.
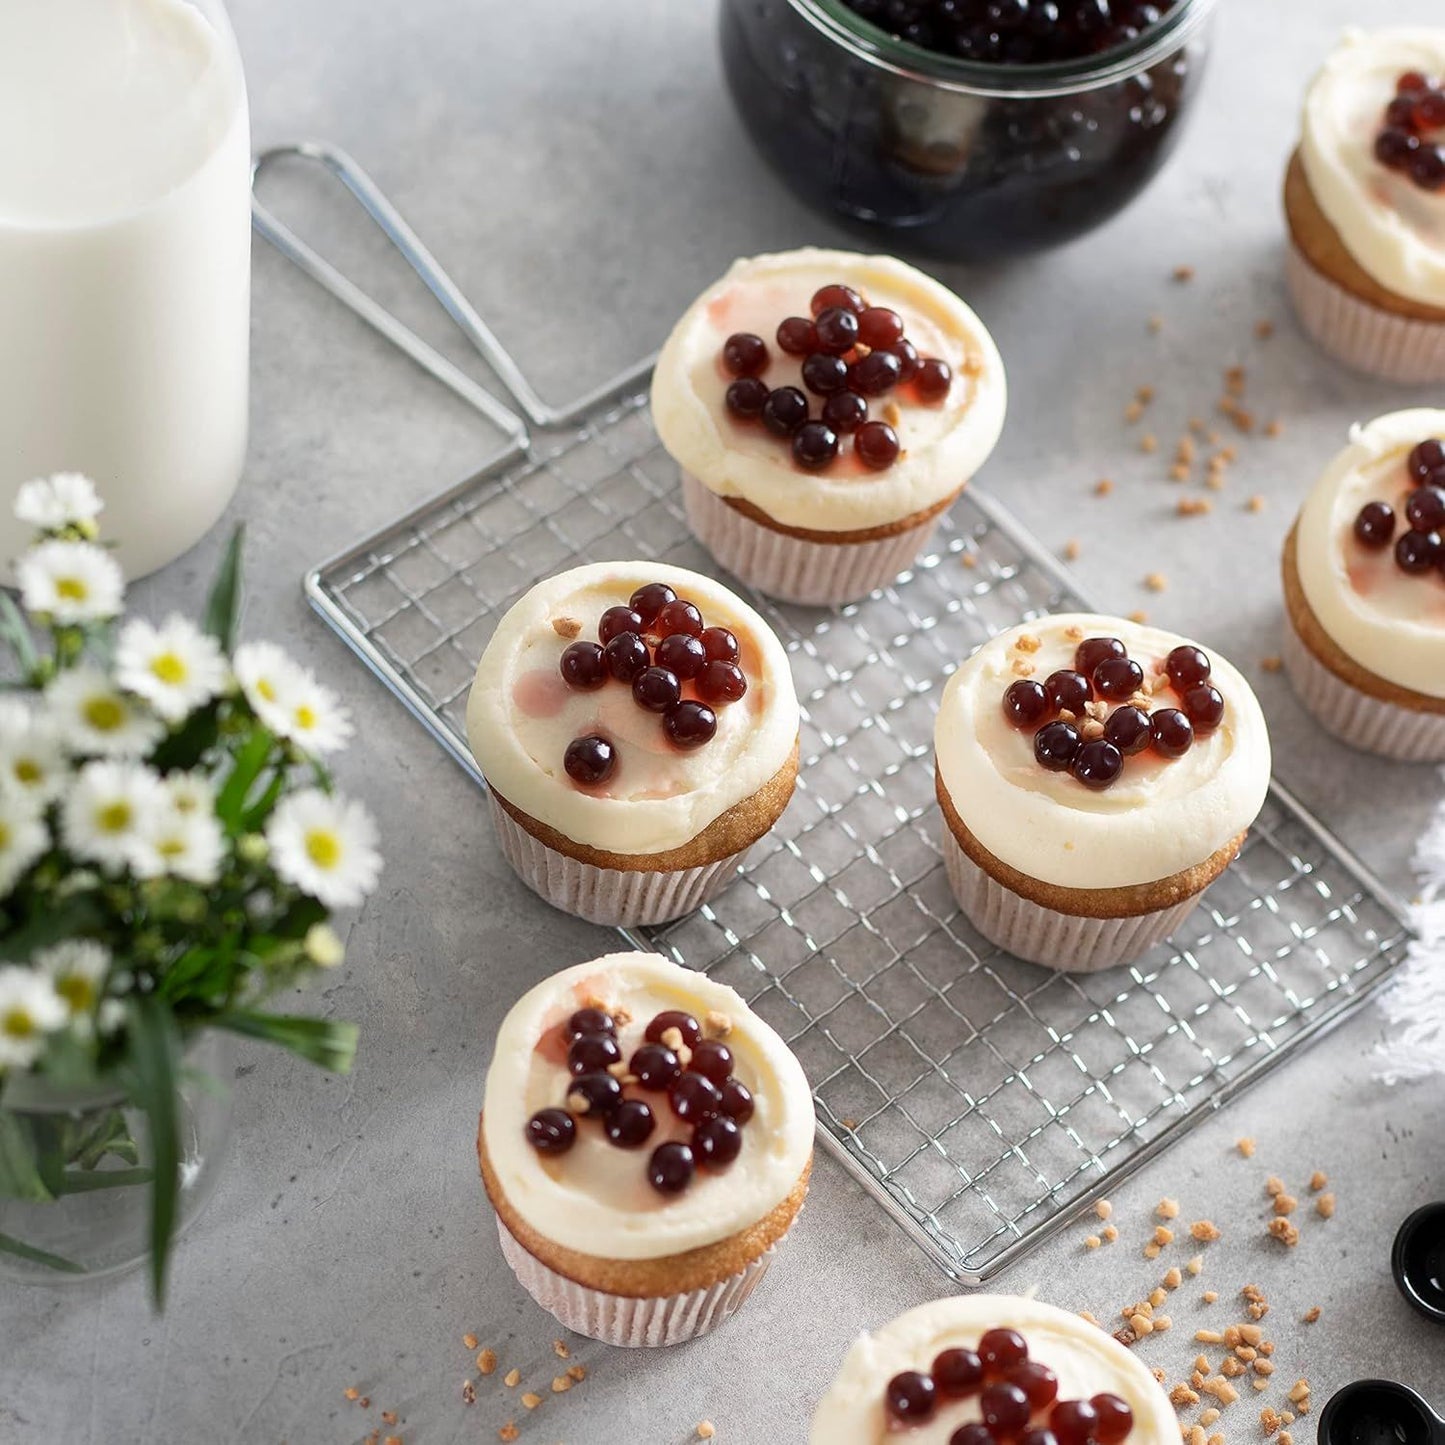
[
  {"x": 1068, "y": 738},
  {"x": 656, "y": 644},
  {"x": 1014, "y": 32},
  {"x": 1011, "y": 1390},
  {"x": 692, "y": 1073},
  {"x": 1410, "y": 139},
  {"x": 850, "y": 352},
  {"x": 1420, "y": 548}
]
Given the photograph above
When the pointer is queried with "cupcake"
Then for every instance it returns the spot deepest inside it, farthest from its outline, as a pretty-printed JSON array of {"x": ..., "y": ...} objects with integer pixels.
[
  {"x": 646, "y": 1141},
  {"x": 977, "y": 1368},
  {"x": 825, "y": 408},
  {"x": 638, "y": 730},
  {"x": 1365, "y": 201},
  {"x": 1364, "y": 590},
  {"x": 1095, "y": 776}
]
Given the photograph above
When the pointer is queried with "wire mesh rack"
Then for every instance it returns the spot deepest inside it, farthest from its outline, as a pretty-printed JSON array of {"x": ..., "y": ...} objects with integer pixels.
[{"x": 983, "y": 1101}]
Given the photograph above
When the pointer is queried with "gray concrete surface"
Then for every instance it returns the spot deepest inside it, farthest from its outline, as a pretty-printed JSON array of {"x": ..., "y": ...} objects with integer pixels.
[{"x": 579, "y": 168}]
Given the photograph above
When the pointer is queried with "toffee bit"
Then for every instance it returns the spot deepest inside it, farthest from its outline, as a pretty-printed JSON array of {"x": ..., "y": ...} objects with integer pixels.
[
  {"x": 1274, "y": 1186},
  {"x": 1281, "y": 1229},
  {"x": 1325, "y": 1206},
  {"x": 512, "y": 1378},
  {"x": 351, "y": 1392},
  {"x": 1103, "y": 1209},
  {"x": 1205, "y": 1231},
  {"x": 1271, "y": 664},
  {"x": 1285, "y": 1203},
  {"x": 1311, "y": 1314},
  {"x": 568, "y": 627},
  {"x": 469, "y": 1393},
  {"x": 716, "y": 1025},
  {"x": 1072, "y": 550},
  {"x": 1103, "y": 487},
  {"x": 531, "y": 1399},
  {"x": 1194, "y": 506},
  {"x": 1093, "y": 1242},
  {"x": 1167, "y": 1209},
  {"x": 561, "y": 1384},
  {"x": 1183, "y": 274},
  {"x": 1149, "y": 443},
  {"x": 487, "y": 1361},
  {"x": 1110, "y": 1233},
  {"x": 470, "y": 1341},
  {"x": 1318, "y": 1180},
  {"x": 1156, "y": 582},
  {"x": 706, "y": 1429}
]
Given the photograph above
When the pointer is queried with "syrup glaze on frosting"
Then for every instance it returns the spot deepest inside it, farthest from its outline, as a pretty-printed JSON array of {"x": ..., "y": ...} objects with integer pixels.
[
  {"x": 1163, "y": 815},
  {"x": 943, "y": 445},
  {"x": 1087, "y": 1361},
  {"x": 1389, "y": 622},
  {"x": 595, "y": 1198},
  {"x": 521, "y": 716},
  {"x": 1392, "y": 227}
]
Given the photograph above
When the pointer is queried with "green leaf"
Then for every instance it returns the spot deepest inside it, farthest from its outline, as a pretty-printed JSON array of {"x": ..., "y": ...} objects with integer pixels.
[
  {"x": 20, "y": 1176},
  {"x": 154, "y": 1058},
  {"x": 223, "y": 606},
  {"x": 189, "y": 744},
  {"x": 76, "y": 916},
  {"x": 39, "y": 1256},
  {"x": 108, "y": 1134},
  {"x": 331, "y": 1043},
  {"x": 250, "y": 760},
  {"x": 75, "y": 1181},
  {"x": 16, "y": 631},
  {"x": 260, "y": 810}
]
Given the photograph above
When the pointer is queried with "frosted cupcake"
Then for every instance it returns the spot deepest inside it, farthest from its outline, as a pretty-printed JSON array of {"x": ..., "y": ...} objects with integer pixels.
[
  {"x": 646, "y": 1142},
  {"x": 638, "y": 730},
  {"x": 1364, "y": 587},
  {"x": 825, "y": 408},
  {"x": 976, "y": 1369},
  {"x": 1095, "y": 776},
  {"x": 1365, "y": 201}
]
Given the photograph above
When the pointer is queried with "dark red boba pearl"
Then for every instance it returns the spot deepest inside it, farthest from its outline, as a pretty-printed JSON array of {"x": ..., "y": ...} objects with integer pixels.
[
  {"x": 1117, "y": 678},
  {"x": 1395, "y": 147},
  {"x": 582, "y": 666},
  {"x": 785, "y": 410},
  {"x": 626, "y": 656},
  {"x": 1375, "y": 526},
  {"x": 845, "y": 411},
  {"x": 797, "y": 336},
  {"x": 678, "y": 616},
  {"x": 1094, "y": 650},
  {"x": 876, "y": 374},
  {"x": 934, "y": 379},
  {"x": 1173, "y": 732},
  {"x": 1425, "y": 509},
  {"x": 1037, "y": 1381},
  {"x": 1417, "y": 552},
  {"x": 839, "y": 295},
  {"x": 1427, "y": 167},
  {"x": 716, "y": 1142},
  {"x": 551, "y": 1131},
  {"x": 694, "y": 1098},
  {"x": 737, "y": 1100},
  {"x": 1187, "y": 666},
  {"x": 876, "y": 444},
  {"x": 825, "y": 374},
  {"x": 1040, "y": 1435},
  {"x": 1426, "y": 463},
  {"x": 1098, "y": 764},
  {"x": 721, "y": 683},
  {"x": 1001, "y": 1349},
  {"x": 630, "y": 1124},
  {"x": 1128, "y": 729},
  {"x": 655, "y": 1065},
  {"x": 911, "y": 1397},
  {"x": 589, "y": 1021},
  {"x": 815, "y": 445},
  {"x": 615, "y": 621},
  {"x": 681, "y": 653},
  {"x": 837, "y": 330},
  {"x": 1411, "y": 83},
  {"x": 1026, "y": 703},
  {"x": 1204, "y": 706},
  {"x": 713, "y": 1060},
  {"x": 594, "y": 1095},
  {"x": 746, "y": 397},
  {"x": 719, "y": 644},
  {"x": 744, "y": 354},
  {"x": 1115, "y": 1419},
  {"x": 974, "y": 1433},
  {"x": 1400, "y": 113},
  {"x": 957, "y": 1373},
  {"x": 648, "y": 601},
  {"x": 1068, "y": 691},
  {"x": 908, "y": 360},
  {"x": 656, "y": 689},
  {"x": 1073, "y": 1422},
  {"x": 1055, "y": 745},
  {"x": 689, "y": 724},
  {"x": 880, "y": 326},
  {"x": 671, "y": 1167},
  {"x": 1430, "y": 110},
  {"x": 593, "y": 1053},
  {"x": 589, "y": 760},
  {"x": 1005, "y": 1408},
  {"x": 687, "y": 1027}
]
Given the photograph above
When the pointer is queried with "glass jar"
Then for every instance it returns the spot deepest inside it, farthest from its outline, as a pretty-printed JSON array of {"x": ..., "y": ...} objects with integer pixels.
[
  {"x": 955, "y": 159},
  {"x": 125, "y": 263},
  {"x": 95, "y": 1153}
]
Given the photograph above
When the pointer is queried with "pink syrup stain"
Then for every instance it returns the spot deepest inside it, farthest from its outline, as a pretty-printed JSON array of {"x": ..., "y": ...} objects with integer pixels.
[{"x": 540, "y": 693}]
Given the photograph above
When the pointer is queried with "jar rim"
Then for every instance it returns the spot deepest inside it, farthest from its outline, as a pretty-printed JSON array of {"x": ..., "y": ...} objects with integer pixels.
[{"x": 872, "y": 44}]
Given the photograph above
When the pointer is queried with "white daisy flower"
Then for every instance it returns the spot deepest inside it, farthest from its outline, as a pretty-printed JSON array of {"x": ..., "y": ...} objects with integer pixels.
[
  {"x": 109, "y": 813},
  {"x": 32, "y": 762},
  {"x": 176, "y": 667},
  {"x": 70, "y": 582},
  {"x": 325, "y": 846},
  {"x": 314, "y": 718},
  {"x": 323, "y": 947},
  {"x": 186, "y": 845},
  {"x": 23, "y": 836},
  {"x": 191, "y": 793},
  {"x": 267, "y": 677},
  {"x": 30, "y": 1008},
  {"x": 50, "y": 504},
  {"x": 109, "y": 1017},
  {"x": 95, "y": 718},
  {"x": 77, "y": 968}
]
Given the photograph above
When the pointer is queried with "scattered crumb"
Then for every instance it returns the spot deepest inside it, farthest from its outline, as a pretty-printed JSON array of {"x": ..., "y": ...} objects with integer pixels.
[
  {"x": 1093, "y": 1242},
  {"x": 1179, "y": 472},
  {"x": 351, "y": 1392},
  {"x": 1182, "y": 1395},
  {"x": 1148, "y": 442},
  {"x": 1205, "y": 1231},
  {"x": 1194, "y": 506},
  {"x": 1209, "y": 1416},
  {"x": 1285, "y": 1203},
  {"x": 1110, "y": 1233},
  {"x": 1271, "y": 663},
  {"x": 470, "y": 1341},
  {"x": 1133, "y": 412},
  {"x": 1183, "y": 274},
  {"x": 392, "y": 1440},
  {"x": 1196, "y": 1264},
  {"x": 1167, "y": 1209},
  {"x": 706, "y": 1429},
  {"x": 969, "y": 559},
  {"x": 1325, "y": 1206},
  {"x": 1072, "y": 550},
  {"x": 1311, "y": 1314},
  {"x": 1318, "y": 1180},
  {"x": 577, "y": 1372},
  {"x": 1210, "y": 1295},
  {"x": 1152, "y": 1250},
  {"x": 531, "y": 1399},
  {"x": 487, "y": 1361},
  {"x": 508, "y": 1431},
  {"x": 1255, "y": 503},
  {"x": 1264, "y": 329},
  {"x": 1156, "y": 582},
  {"x": 1139, "y": 615},
  {"x": 1274, "y": 1186},
  {"x": 566, "y": 626},
  {"x": 1163, "y": 1236},
  {"x": 1173, "y": 1279},
  {"x": 1103, "y": 1209},
  {"x": 1103, "y": 487},
  {"x": 1274, "y": 428},
  {"x": 512, "y": 1378},
  {"x": 1281, "y": 1229},
  {"x": 1156, "y": 324},
  {"x": 850, "y": 1124},
  {"x": 559, "y": 1347},
  {"x": 469, "y": 1393},
  {"x": 561, "y": 1384},
  {"x": 388, "y": 1417}
]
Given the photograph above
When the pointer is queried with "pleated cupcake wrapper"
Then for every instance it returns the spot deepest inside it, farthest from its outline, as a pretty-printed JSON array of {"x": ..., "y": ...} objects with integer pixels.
[
  {"x": 1059, "y": 941},
  {"x": 618, "y": 1320},
  {"x": 794, "y": 569},
  {"x": 1368, "y": 723},
  {"x": 616, "y": 897},
  {"x": 1398, "y": 348}
]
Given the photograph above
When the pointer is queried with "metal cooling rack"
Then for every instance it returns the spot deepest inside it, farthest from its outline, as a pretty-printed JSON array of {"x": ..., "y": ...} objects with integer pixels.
[{"x": 984, "y": 1101}]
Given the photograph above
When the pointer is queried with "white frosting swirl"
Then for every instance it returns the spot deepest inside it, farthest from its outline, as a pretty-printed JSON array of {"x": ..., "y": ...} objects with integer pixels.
[
  {"x": 595, "y": 1198},
  {"x": 521, "y": 717},
  {"x": 1392, "y": 227},
  {"x": 943, "y": 445},
  {"x": 1087, "y": 1361},
  {"x": 1161, "y": 816},
  {"x": 1388, "y": 621}
]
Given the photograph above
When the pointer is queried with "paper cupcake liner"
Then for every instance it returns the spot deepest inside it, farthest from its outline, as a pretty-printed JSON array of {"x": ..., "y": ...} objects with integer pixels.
[
  {"x": 794, "y": 569},
  {"x": 1398, "y": 348},
  {"x": 617, "y": 897},
  {"x": 618, "y": 1320},
  {"x": 1060, "y": 941},
  {"x": 1368, "y": 723}
]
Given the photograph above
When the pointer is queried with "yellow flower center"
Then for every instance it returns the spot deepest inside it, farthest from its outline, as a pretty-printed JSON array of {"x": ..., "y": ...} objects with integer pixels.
[
  {"x": 172, "y": 847},
  {"x": 71, "y": 588},
  {"x": 104, "y": 713},
  {"x": 305, "y": 717},
  {"x": 324, "y": 849},
  {"x": 18, "y": 1024},
  {"x": 114, "y": 817},
  {"x": 77, "y": 991},
  {"x": 265, "y": 689},
  {"x": 169, "y": 668},
  {"x": 28, "y": 771}
]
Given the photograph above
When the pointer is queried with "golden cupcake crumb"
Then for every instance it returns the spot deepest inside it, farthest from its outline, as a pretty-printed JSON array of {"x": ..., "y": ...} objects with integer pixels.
[
  {"x": 566, "y": 627},
  {"x": 1325, "y": 1206},
  {"x": 487, "y": 1361},
  {"x": 512, "y": 1378}
]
